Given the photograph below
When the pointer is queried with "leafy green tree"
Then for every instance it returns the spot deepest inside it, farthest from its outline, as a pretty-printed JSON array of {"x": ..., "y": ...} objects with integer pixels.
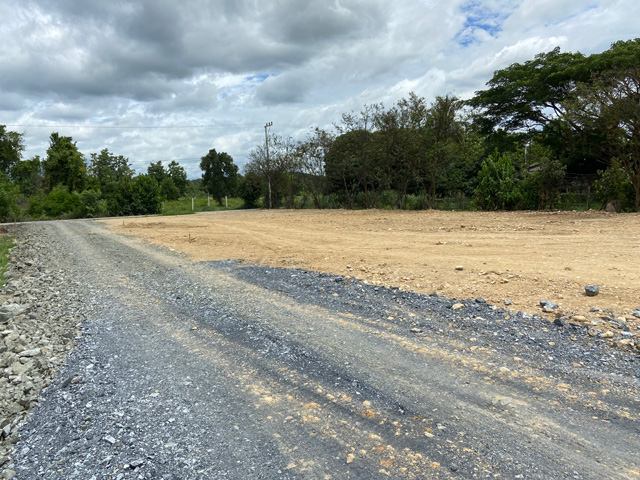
[
  {"x": 145, "y": 196},
  {"x": 400, "y": 141},
  {"x": 529, "y": 95},
  {"x": 250, "y": 189},
  {"x": 168, "y": 189},
  {"x": 105, "y": 168},
  {"x": 362, "y": 153},
  {"x": 343, "y": 162},
  {"x": 611, "y": 104},
  {"x": 177, "y": 173},
  {"x": 219, "y": 174},
  {"x": 442, "y": 142},
  {"x": 11, "y": 148},
  {"x": 311, "y": 154},
  {"x": 156, "y": 170},
  {"x": 28, "y": 176},
  {"x": 64, "y": 164}
]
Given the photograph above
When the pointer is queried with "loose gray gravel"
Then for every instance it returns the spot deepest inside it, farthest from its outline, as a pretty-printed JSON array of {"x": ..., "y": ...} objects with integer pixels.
[{"x": 188, "y": 370}]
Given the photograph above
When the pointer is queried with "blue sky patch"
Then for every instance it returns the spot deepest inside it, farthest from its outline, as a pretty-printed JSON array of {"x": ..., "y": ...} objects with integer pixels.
[{"x": 480, "y": 17}]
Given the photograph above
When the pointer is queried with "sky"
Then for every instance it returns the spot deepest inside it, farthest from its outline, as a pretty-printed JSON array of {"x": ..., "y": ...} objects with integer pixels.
[{"x": 163, "y": 80}]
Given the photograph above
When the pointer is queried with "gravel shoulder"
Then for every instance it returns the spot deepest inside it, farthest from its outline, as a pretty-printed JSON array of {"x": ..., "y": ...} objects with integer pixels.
[{"x": 189, "y": 370}]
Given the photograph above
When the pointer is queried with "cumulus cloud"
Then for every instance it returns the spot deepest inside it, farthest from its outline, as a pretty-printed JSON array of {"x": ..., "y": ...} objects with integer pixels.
[{"x": 211, "y": 73}]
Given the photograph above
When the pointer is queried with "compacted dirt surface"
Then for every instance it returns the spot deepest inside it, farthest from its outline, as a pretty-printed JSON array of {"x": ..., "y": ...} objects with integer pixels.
[
  {"x": 515, "y": 257},
  {"x": 190, "y": 369}
]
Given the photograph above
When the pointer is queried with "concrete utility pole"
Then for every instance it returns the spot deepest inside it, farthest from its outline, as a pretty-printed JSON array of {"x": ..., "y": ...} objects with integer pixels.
[{"x": 266, "y": 142}]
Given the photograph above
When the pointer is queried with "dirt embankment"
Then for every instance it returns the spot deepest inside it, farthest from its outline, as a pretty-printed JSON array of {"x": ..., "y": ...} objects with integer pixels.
[{"x": 517, "y": 258}]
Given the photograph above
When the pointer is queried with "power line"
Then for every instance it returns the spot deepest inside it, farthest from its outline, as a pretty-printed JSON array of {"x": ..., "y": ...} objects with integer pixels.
[{"x": 133, "y": 126}]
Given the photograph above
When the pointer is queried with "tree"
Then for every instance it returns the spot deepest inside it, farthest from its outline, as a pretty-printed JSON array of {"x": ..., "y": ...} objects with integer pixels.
[
  {"x": 611, "y": 104},
  {"x": 311, "y": 154},
  {"x": 11, "y": 148},
  {"x": 168, "y": 189},
  {"x": 275, "y": 169},
  {"x": 343, "y": 162},
  {"x": 529, "y": 95},
  {"x": 543, "y": 176},
  {"x": 219, "y": 174},
  {"x": 250, "y": 189},
  {"x": 28, "y": 176},
  {"x": 64, "y": 164},
  {"x": 442, "y": 142},
  {"x": 179, "y": 176},
  {"x": 105, "y": 168},
  {"x": 145, "y": 196},
  {"x": 9, "y": 211},
  {"x": 157, "y": 171}
]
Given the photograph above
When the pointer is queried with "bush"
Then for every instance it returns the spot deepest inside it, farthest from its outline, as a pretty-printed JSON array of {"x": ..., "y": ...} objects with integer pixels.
[
  {"x": 388, "y": 199},
  {"x": 145, "y": 196},
  {"x": 498, "y": 184},
  {"x": 9, "y": 210},
  {"x": 413, "y": 202},
  {"x": 92, "y": 204},
  {"x": 250, "y": 189},
  {"x": 58, "y": 203},
  {"x": 615, "y": 186}
]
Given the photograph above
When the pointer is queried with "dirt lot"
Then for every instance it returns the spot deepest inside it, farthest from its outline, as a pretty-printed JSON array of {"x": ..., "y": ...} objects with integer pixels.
[{"x": 520, "y": 258}]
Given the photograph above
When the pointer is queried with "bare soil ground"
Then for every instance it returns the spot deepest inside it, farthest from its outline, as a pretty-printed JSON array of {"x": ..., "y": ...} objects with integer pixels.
[{"x": 517, "y": 257}]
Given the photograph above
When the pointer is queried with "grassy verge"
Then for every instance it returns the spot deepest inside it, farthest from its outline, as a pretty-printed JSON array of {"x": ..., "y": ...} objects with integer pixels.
[
  {"x": 6, "y": 242},
  {"x": 183, "y": 206}
]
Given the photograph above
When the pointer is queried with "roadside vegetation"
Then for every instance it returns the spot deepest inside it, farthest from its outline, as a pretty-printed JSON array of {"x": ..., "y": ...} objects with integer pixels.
[
  {"x": 559, "y": 131},
  {"x": 6, "y": 243}
]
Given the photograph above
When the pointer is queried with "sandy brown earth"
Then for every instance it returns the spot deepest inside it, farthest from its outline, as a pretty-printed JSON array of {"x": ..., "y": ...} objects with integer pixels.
[{"x": 517, "y": 257}]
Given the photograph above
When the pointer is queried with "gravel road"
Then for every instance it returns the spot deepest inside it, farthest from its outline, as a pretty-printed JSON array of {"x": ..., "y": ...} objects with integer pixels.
[{"x": 229, "y": 370}]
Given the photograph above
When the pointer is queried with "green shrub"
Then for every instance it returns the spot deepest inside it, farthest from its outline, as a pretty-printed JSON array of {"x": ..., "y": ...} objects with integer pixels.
[
  {"x": 9, "y": 210},
  {"x": 614, "y": 185},
  {"x": 92, "y": 204},
  {"x": 388, "y": 199},
  {"x": 250, "y": 190},
  {"x": 498, "y": 184}
]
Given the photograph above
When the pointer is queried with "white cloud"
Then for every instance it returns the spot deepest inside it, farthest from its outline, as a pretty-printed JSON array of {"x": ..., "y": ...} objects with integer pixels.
[{"x": 238, "y": 64}]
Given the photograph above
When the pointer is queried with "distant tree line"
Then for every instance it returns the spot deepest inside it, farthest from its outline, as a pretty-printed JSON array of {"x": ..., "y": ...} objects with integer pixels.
[
  {"x": 561, "y": 122},
  {"x": 65, "y": 184},
  {"x": 558, "y": 126}
]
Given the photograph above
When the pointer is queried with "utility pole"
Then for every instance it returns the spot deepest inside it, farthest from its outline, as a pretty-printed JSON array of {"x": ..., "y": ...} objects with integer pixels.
[{"x": 266, "y": 142}]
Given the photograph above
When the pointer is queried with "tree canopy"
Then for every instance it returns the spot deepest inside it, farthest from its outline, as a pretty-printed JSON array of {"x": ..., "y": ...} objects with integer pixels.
[{"x": 219, "y": 174}]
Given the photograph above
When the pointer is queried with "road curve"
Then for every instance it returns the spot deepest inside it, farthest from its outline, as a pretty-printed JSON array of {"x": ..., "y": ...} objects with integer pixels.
[{"x": 224, "y": 370}]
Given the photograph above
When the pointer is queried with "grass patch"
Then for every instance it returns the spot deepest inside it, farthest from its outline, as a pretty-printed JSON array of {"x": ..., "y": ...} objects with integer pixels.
[
  {"x": 6, "y": 242},
  {"x": 183, "y": 206}
]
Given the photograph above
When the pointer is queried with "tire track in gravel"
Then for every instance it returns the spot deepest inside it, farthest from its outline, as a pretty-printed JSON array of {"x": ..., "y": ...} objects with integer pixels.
[{"x": 300, "y": 388}]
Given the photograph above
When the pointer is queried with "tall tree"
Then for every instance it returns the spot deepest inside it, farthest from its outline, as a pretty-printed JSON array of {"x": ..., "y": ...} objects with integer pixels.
[
  {"x": 219, "y": 174},
  {"x": 28, "y": 175},
  {"x": 106, "y": 168},
  {"x": 443, "y": 140},
  {"x": 275, "y": 168},
  {"x": 157, "y": 171},
  {"x": 64, "y": 164},
  {"x": 528, "y": 96},
  {"x": 611, "y": 104},
  {"x": 178, "y": 175},
  {"x": 311, "y": 155},
  {"x": 11, "y": 148}
]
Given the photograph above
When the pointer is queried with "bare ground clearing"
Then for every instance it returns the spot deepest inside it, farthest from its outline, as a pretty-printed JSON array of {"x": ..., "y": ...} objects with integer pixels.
[{"x": 522, "y": 257}]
